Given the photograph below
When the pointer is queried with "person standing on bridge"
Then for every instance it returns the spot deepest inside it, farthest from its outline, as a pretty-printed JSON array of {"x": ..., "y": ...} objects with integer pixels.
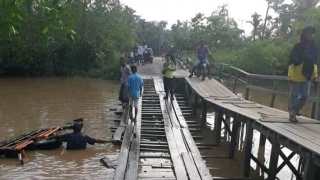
[
  {"x": 140, "y": 53},
  {"x": 134, "y": 85},
  {"x": 168, "y": 68},
  {"x": 202, "y": 53},
  {"x": 302, "y": 70},
  {"x": 172, "y": 53},
  {"x": 125, "y": 73},
  {"x": 164, "y": 50}
]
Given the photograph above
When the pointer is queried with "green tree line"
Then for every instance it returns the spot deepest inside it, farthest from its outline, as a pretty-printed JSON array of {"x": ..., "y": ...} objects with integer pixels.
[
  {"x": 86, "y": 37},
  {"x": 70, "y": 37},
  {"x": 265, "y": 50}
]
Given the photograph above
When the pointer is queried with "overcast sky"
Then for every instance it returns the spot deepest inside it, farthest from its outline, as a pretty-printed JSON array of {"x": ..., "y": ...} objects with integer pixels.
[{"x": 172, "y": 10}]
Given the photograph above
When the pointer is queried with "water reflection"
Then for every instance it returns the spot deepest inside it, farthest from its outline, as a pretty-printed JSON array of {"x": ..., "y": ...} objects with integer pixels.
[{"x": 32, "y": 103}]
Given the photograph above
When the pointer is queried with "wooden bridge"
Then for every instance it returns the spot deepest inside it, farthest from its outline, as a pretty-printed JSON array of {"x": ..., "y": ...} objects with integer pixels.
[{"x": 162, "y": 143}]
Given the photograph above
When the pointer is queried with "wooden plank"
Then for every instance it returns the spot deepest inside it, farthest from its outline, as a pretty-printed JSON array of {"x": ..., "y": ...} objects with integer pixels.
[
  {"x": 132, "y": 172},
  {"x": 179, "y": 168},
  {"x": 276, "y": 119},
  {"x": 178, "y": 112},
  {"x": 188, "y": 162},
  {"x": 124, "y": 153},
  {"x": 120, "y": 129},
  {"x": 118, "y": 134},
  {"x": 202, "y": 168}
]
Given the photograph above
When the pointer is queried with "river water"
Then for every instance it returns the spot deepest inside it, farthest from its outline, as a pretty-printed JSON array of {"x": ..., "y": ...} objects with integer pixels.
[{"x": 32, "y": 103}]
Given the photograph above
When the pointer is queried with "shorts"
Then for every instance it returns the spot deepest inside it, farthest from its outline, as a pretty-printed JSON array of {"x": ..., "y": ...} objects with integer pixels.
[
  {"x": 198, "y": 62},
  {"x": 133, "y": 102},
  {"x": 163, "y": 54},
  {"x": 140, "y": 57},
  {"x": 131, "y": 60}
]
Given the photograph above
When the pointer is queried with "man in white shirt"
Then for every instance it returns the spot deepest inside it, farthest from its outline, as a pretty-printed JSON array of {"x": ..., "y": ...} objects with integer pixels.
[
  {"x": 144, "y": 52},
  {"x": 140, "y": 53}
]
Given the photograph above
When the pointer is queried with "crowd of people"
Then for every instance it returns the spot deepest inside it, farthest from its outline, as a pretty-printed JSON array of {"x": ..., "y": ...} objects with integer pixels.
[
  {"x": 131, "y": 83},
  {"x": 139, "y": 54},
  {"x": 302, "y": 71}
]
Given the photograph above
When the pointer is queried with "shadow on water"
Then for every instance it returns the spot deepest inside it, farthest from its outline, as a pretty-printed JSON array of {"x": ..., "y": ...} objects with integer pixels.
[
  {"x": 33, "y": 103},
  {"x": 233, "y": 168}
]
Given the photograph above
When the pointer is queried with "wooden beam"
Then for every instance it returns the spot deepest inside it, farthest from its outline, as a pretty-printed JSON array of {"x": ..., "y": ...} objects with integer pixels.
[
  {"x": 273, "y": 165},
  {"x": 234, "y": 137},
  {"x": 204, "y": 113},
  {"x": 218, "y": 121},
  {"x": 132, "y": 172},
  {"x": 248, "y": 148},
  {"x": 123, "y": 156}
]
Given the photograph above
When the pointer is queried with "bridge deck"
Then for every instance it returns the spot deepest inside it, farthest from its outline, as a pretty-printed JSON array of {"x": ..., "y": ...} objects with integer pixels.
[
  {"x": 160, "y": 135},
  {"x": 306, "y": 133}
]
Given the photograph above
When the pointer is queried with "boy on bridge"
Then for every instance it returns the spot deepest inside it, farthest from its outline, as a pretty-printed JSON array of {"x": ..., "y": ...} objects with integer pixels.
[{"x": 134, "y": 85}]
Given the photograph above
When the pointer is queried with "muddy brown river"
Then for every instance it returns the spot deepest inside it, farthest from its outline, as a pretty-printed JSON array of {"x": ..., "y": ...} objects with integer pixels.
[
  {"x": 28, "y": 104},
  {"x": 32, "y": 103}
]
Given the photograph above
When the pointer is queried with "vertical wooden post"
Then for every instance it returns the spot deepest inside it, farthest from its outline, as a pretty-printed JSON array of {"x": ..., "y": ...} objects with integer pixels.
[
  {"x": 273, "y": 165},
  {"x": 218, "y": 121},
  {"x": 273, "y": 96},
  {"x": 313, "y": 110},
  {"x": 248, "y": 148},
  {"x": 195, "y": 104},
  {"x": 235, "y": 83},
  {"x": 229, "y": 77},
  {"x": 188, "y": 94},
  {"x": 247, "y": 93},
  {"x": 234, "y": 135},
  {"x": 204, "y": 113},
  {"x": 308, "y": 168}
]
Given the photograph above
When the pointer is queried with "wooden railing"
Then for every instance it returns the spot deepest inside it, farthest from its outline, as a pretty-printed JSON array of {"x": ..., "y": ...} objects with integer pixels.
[
  {"x": 240, "y": 76},
  {"x": 235, "y": 76}
]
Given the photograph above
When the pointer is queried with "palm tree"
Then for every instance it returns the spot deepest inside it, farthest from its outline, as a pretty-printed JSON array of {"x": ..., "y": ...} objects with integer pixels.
[{"x": 255, "y": 22}]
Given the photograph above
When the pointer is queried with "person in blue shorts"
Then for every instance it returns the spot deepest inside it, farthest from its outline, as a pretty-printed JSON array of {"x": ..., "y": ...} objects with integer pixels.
[{"x": 134, "y": 85}]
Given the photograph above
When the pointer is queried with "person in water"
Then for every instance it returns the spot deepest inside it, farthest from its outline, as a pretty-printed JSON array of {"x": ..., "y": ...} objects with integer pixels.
[
  {"x": 302, "y": 70},
  {"x": 77, "y": 140}
]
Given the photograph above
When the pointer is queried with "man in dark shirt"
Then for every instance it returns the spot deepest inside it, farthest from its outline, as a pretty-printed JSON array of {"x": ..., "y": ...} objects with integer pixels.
[
  {"x": 202, "y": 53},
  {"x": 77, "y": 140}
]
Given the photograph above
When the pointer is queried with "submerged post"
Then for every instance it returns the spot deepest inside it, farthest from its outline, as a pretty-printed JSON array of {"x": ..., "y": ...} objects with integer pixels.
[
  {"x": 248, "y": 148},
  {"x": 195, "y": 104},
  {"x": 308, "y": 168},
  {"x": 273, "y": 165},
  {"x": 218, "y": 121},
  {"x": 204, "y": 113},
  {"x": 234, "y": 135}
]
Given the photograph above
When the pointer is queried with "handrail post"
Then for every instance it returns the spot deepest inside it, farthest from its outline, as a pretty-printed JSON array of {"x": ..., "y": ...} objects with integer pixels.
[
  {"x": 229, "y": 77},
  {"x": 317, "y": 114},
  {"x": 273, "y": 96},
  {"x": 247, "y": 89},
  {"x": 235, "y": 82}
]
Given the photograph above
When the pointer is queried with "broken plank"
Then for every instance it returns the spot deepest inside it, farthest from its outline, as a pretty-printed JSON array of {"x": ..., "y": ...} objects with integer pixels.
[{"x": 124, "y": 153}]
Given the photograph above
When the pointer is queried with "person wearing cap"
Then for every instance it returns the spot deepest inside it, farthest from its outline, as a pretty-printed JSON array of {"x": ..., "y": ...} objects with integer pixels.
[
  {"x": 302, "y": 70},
  {"x": 77, "y": 140}
]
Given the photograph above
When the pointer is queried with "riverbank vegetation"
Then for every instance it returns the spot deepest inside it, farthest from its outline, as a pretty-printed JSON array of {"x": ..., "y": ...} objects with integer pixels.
[
  {"x": 265, "y": 50},
  {"x": 67, "y": 37},
  {"x": 86, "y": 37}
]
